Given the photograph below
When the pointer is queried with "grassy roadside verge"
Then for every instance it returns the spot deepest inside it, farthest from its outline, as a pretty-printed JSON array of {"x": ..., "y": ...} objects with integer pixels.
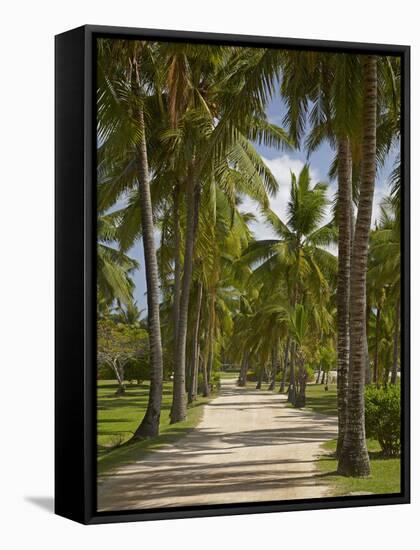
[
  {"x": 385, "y": 472},
  {"x": 320, "y": 401},
  {"x": 384, "y": 478},
  {"x": 118, "y": 417}
]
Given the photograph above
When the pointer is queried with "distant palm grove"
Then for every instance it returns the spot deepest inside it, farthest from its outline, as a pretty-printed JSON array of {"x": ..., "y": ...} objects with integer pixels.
[{"x": 179, "y": 130}]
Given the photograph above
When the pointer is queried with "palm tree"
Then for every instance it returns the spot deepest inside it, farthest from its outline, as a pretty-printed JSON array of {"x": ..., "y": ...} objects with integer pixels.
[
  {"x": 323, "y": 80},
  {"x": 195, "y": 345},
  {"x": 324, "y": 90},
  {"x": 354, "y": 458},
  {"x": 130, "y": 314},
  {"x": 297, "y": 259},
  {"x": 125, "y": 81},
  {"x": 215, "y": 148},
  {"x": 296, "y": 264},
  {"x": 264, "y": 329},
  {"x": 275, "y": 365},
  {"x": 224, "y": 237},
  {"x": 285, "y": 365},
  {"x": 298, "y": 327}
]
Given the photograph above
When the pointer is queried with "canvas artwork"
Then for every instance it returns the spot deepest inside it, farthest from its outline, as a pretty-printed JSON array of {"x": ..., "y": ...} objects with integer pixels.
[
  {"x": 248, "y": 274},
  {"x": 245, "y": 333}
]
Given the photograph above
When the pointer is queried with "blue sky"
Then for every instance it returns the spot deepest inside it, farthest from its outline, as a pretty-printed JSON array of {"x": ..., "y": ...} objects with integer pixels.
[{"x": 281, "y": 163}]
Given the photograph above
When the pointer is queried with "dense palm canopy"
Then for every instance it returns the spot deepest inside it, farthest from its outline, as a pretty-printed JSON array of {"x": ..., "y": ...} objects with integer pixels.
[
  {"x": 114, "y": 267},
  {"x": 180, "y": 127},
  {"x": 298, "y": 258}
]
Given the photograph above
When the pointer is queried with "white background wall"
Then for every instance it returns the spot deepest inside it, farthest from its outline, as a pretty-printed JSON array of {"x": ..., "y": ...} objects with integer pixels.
[{"x": 26, "y": 289}]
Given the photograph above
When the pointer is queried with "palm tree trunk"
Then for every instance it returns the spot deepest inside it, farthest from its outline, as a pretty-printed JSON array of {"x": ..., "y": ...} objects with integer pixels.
[
  {"x": 376, "y": 358},
  {"x": 354, "y": 458},
  {"x": 302, "y": 375},
  {"x": 198, "y": 370},
  {"x": 291, "y": 393},
  {"x": 285, "y": 362},
  {"x": 274, "y": 367},
  {"x": 368, "y": 374},
  {"x": 394, "y": 372},
  {"x": 209, "y": 366},
  {"x": 260, "y": 378},
  {"x": 343, "y": 283},
  {"x": 205, "y": 363},
  {"x": 149, "y": 426},
  {"x": 205, "y": 391},
  {"x": 386, "y": 372},
  {"x": 207, "y": 380},
  {"x": 187, "y": 371},
  {"x": 244, "y": 370},
  {"x": 177, "y": 263},
  {"x": 192, "y": 394},
  {"x": 179, "y": 402}
]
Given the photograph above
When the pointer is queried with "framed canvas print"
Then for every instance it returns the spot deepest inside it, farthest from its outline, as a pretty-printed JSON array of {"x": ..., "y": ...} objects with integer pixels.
[{"x": 232, "y": 274}]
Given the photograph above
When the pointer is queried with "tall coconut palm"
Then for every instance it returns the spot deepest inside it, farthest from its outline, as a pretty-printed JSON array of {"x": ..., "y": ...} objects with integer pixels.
[
  {"x": 298, "y": 257},
  {"x": 344, "y": 221},
  {"x": 354, "y": 458},
  {"x": 124, "y": 86},
  {"x": 299, "y": 327},
  {"x": 208, "y": 156},
  {"x": 222, "y": 240},
  {"x": 323, "y": 80},
  {"x": 324, "y": 90}
]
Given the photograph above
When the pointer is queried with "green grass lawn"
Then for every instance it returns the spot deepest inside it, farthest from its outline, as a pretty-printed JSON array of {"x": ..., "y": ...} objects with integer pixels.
[
  {"x": 384, "y": 478},
  {"x": 118, "y": 418},
  {"x": 321, "y": 401}
]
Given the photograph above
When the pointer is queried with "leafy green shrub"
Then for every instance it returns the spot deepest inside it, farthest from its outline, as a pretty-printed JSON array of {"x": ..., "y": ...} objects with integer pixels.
[
  {"x": 383, "y": 417},
  {"x": 137, "y": 369},
  {"x": 105, "y": 372}
]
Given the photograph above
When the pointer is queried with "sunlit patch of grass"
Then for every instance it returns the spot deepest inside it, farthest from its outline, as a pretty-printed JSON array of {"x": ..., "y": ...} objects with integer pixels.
[
  {"x": 321, "y": 401},
  {"x": 118, "y": 418},
  {"x": 385, "y": 475}
]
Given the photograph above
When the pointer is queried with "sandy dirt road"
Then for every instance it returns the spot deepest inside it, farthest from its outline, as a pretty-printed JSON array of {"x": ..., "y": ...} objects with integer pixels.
[{"x": 249, "y": 446}]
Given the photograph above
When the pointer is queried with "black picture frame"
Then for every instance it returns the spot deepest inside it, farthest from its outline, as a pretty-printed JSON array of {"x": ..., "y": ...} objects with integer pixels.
[{"x": 75, "y": 276}]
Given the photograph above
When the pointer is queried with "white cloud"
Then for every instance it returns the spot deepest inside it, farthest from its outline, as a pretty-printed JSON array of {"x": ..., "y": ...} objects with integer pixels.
[{"x": 281, "y": 168}]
